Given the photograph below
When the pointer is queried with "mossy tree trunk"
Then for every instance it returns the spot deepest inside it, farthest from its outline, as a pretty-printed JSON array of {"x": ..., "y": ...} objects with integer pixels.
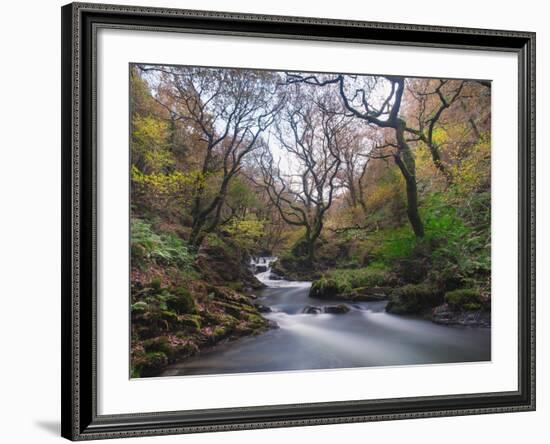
[
  {"x": 404, "y": 159},
  {"x": 403, "y": 156}
]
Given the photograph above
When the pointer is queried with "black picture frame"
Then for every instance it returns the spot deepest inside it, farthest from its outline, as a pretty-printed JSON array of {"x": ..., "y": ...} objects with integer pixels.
[{"x": 80, "y": 420}]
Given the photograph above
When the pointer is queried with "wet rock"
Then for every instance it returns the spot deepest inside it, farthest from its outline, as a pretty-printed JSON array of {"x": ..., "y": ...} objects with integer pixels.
[
  {"x": 414, "y": 299},
  {"x": 369, "y": 294},
  {"x": 446, "y": 315},
  {"x": 275, "y": 277},
  {"x": 324, "y": 289},
  {"x": 312, "y": 309},
  {"x": 260, "y": 268},
  {"x": 466, "y": 299},
  {"x": 263, "y": 308},
  {"x": 336, "y": 309}
]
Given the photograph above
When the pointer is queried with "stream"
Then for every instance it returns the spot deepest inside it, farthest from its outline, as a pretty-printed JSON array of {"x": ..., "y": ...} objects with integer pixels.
[{"x": 365, "y": 336}]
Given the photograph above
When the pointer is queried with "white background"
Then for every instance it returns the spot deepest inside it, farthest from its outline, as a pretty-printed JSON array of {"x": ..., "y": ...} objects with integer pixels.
[{"x": 30, "y": 233}]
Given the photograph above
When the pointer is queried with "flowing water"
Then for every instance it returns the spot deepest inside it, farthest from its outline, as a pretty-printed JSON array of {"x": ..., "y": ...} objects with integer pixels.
[{"x": 366, "y": 336}]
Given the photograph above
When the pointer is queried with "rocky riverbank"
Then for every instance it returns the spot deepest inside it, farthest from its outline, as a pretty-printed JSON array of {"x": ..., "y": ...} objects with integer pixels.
[
  {"x": 332, "y": 333},
  {"x": 181, "y": 307},
  {"x": 458, "y": 307},
  {"x": 169, "y": 324},
  {"x": 445, "y": 315}
]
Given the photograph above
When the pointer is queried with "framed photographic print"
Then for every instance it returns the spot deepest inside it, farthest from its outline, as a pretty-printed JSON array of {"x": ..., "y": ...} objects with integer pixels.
[{"x": 281, "y": 221}]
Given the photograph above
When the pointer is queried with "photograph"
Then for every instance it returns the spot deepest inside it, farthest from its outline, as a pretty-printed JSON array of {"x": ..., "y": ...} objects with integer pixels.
[
  {"x": 279, "y": 221},
  {"x": 300, "y": 221}
]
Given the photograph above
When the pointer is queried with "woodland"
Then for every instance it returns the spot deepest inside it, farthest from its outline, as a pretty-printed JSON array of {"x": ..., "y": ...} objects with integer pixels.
[{"x": 371, "y": 187}]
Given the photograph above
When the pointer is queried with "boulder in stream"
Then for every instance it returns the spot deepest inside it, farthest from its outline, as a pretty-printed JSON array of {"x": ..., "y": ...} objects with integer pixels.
[
  {"x": 312, "y": 309},
  {"x": 275, "y": 277},
  {"x": 263, "y": 308},
  {"x": 336, "y": 309}
]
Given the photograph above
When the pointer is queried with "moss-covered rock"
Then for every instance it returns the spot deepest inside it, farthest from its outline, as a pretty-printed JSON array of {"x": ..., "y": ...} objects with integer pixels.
[
  {"x": 414, "y": 299},
  {"x": 235, "y": 309},
  {"x": 220, "y": 293},
  {"x": 470, "y": 315},
  {"x": 220, "y": 332},
  {"x": 190, "y": 322},
  {"x": 173, "y": 323},
  {"x": 466, "y": 299},
  {"x": 256, "y": 321},
  {"x": 158, "y": 344},
  {"x": 181, "y": 300},
  {"x": 169, "y": 318},
  {"x": 336, "y": 309},
  {"x": 327, "y": 288},
  {"x": 151, "y": 363},
  {"x": 362, "y": 284},
  {"x": 312, "y": 309},
  {"x": 150, "y": 357}
]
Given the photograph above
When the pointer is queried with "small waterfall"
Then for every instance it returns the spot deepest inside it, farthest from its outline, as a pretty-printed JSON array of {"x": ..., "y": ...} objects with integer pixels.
[
  {"x": 262, "y": 268},
  {"x": 261, "y": 264}
]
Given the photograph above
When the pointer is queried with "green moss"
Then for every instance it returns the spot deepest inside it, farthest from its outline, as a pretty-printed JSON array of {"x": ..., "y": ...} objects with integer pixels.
[
  {"x": 169, "y": 315},
  {"x": 148, "y": 364},
  {"x": 181, "y": 301},
  {"x": 156, "y": 284},
  {"x": 414, "y": 299},
  {"x": 192, "y": 322},
  {"x": 237, "y": 286},
  {"x": 219, "y": 332},
  {"x": 135, "y": 372},
  {"x": 326, "y": 288},
  {"x": 155, "y": 360},
  {"x": 466, "y": 299},
  {"x": 366, "y": 277},
  {"x": 473, "y": 306},
  {"x": 256, "y": 320},
  {"x": 158, "y": 344},
  {"x": 188, "y": 349},
  {"x": 139, "y": 307},
  {"x": 182, "y": 335},
  {"x": 341, "y": 282},
  {"x": 233, "y": 309}
]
